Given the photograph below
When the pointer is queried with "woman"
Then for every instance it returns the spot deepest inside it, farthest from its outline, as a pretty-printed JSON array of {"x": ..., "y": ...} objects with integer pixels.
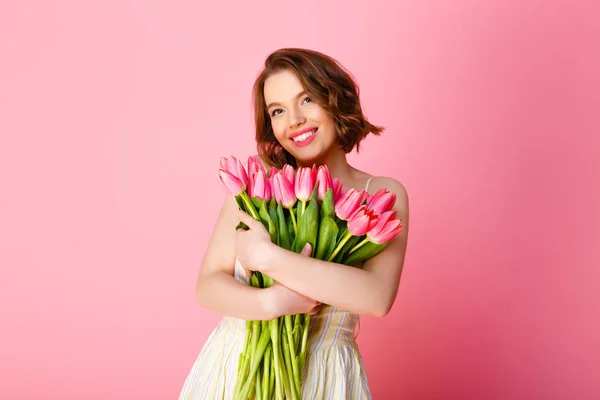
[{"x": 307, "y": 111}]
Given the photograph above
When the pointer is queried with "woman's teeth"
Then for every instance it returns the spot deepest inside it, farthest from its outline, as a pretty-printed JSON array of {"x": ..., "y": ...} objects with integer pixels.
[{"x": 304, "y": 136}]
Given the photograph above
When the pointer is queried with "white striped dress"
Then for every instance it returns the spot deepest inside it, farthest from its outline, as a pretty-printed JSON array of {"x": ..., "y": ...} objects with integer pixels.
[{"x": 334, "y": 366}]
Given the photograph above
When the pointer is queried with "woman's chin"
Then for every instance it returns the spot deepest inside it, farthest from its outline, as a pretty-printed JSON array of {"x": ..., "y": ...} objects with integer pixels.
[
  {"x": 308, "y": 155},
  {"x": 308, "y": 159}
]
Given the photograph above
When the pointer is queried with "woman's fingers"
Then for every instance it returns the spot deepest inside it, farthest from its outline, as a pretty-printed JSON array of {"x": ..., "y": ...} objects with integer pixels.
[{"x": 306, "y": 250}]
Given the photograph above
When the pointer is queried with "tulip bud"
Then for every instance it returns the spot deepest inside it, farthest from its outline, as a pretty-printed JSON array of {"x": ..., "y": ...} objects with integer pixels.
[
  {"x": 381, "y": 201},
  {"x": 349, "y": 202},
  {"x": 362, "y": 221},
  {"x": 261, "y": 189},
  {"x": 325, "y": 181},
  {"x": 255, "y": 165},
  {"x": 386, "y": 228},
  {"x": 284, "y": 190},
  {"x": 289, "y": 173},
  {"x": 337, "y": 189},
  {"x": 304, "y": 184},
  {"x": 235, "y": 168},
  {"x": 230, "y": 183}
]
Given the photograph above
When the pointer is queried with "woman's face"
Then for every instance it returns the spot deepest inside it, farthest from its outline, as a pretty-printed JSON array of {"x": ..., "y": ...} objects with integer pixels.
[{"x": 302, "y": 127}]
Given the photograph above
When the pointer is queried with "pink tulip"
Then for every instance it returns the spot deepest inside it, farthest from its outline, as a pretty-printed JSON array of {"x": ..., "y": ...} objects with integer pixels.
[
  {"x": 284, "y": 190},
  {"x": 314, "y": 169},
  {"x": 349, "y": 202},
  {"x": 381, "y": 201},
  {"x": 304, "y": 184},
  {"x": 261, "y": 189},
  {"x": 362, "y": 221},
  {"x": 231, "y": 183},
  {"x": 255, "y": 165},
  {"x": 235, "y": 168},
  {"x": 325, "y": 181},
  {"x": 289, "y": 173},
  {"x": 337, "y": 189},
  {"x": 273, "y": 171},
  {"x": 386, "y": 228}
]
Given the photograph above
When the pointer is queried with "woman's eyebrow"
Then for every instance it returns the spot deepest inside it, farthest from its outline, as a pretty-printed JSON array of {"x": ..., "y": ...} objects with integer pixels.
[{"x": 302, "y": 93}]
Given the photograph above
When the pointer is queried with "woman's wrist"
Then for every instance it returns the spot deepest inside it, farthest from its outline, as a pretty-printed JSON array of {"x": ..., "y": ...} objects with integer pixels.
[
  {"x": 267, "y": 304},
  {"x": 272, "y": 258}
]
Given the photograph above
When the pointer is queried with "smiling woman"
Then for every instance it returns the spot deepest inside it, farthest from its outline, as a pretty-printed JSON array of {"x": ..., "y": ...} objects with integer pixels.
[
  {"x": 307, "y": 112},
  {"x": 300, "y": 91}
]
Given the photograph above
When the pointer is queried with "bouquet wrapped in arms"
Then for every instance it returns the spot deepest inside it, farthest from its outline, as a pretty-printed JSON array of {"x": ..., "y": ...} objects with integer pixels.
[{"x": 299, "y": 206}]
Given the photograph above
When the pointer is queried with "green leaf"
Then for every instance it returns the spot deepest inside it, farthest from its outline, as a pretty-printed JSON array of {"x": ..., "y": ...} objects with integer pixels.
[
  {"x": 275, "y": 220},
  {"x": 284, "y": 236},
  {"x": 267, "y": 221},
  {"x": 240, "y": 203},
  {"x": 328, "y": 231},
  {"x": 299, "y": 209},
  {"x": 257, "y": 203},
  {"x": 328, "y": 207},
  {"x": 347, "y": 246},
  {"x": 254, "y": 281},
  {"x": 342, "y": 228},
  {"x": 242, "y": 225},
  {"x": 308, "y": 225},
  {"x": 365, "y": 252},
  {"x": 290, "y": 228}
]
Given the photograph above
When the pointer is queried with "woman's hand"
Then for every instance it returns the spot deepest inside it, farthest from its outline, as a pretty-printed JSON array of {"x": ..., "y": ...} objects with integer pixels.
[
  {"x": 252, "y": 246},
  {"x": 284, "y": 301}
]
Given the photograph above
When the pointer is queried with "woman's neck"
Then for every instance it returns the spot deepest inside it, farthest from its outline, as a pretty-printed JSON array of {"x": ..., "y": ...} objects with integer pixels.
[{"x": 336, "y": 162}]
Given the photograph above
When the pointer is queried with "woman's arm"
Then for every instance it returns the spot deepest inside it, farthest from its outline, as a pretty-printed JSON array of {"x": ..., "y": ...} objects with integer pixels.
[
  {"x": 216, "y": 287},
  {"x": 368, "y": 291},
  {"x": 218, "y": 290}
]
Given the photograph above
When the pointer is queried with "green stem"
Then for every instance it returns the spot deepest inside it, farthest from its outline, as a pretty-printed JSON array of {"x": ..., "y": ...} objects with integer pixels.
[
  {"x": 266, "y": 377},
  {"x": 304, "y": 343},
  {"x": 296, "y": 332},
  {"x": 358, "y": 246},
  {"x": 294, "y": 221},
  {"x": 245, "y": 355},
  {"x": 271, "y": 381},
  {"x": 258, "y": 385},
  {"x": 345, "y": 238},
  {"x": 292, "y": 350},
  {"x": 274, "y": 330},
  {"x": 255, "y": 364},
  {"x": 284, "y": 378},
  {"x": 250, "y": 206},
  {"x": 288, "y": 365}
]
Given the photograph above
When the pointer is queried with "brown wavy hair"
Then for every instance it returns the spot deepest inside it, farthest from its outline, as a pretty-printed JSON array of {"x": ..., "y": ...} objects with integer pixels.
[{"x": 329, "y": 84}]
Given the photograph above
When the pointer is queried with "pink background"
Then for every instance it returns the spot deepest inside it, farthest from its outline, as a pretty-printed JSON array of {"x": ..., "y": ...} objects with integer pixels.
[{"x": 113, "y": 115}]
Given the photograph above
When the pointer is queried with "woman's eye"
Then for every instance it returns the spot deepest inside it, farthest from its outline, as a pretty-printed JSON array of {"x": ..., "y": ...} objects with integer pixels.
[
  {"x": 275, "y": 112},
  {"x": 306, "y": 100}
]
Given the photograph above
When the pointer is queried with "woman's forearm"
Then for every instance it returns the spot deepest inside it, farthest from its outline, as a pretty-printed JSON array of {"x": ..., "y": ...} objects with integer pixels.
[
  {"x": 349, "y": 288},
  {"x": 222, "y": 293}
]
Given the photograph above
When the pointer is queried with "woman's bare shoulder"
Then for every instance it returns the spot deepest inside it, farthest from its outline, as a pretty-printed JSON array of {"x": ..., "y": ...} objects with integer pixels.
[
  {"x": 393, "y": 185},
  {"x": 378, "y": 182}
]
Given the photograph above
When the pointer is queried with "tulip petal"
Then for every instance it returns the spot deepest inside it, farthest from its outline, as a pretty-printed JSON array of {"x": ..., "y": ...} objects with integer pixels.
[
  {"x": 362, "y": 221},
  {"x": 232, "y": 184},
  {"x": 284, "y": 190}
]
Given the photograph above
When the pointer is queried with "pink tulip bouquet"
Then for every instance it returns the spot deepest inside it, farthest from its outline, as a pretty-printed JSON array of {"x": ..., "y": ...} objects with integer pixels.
[{"x": 299, "y": 206}]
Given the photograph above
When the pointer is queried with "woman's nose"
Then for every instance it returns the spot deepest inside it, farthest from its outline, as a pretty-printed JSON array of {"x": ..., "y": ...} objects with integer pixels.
[{"x": 296, "y": 118}]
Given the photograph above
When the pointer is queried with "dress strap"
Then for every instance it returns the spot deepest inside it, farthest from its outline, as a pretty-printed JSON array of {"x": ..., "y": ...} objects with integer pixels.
[{"x": 367, "y": 185}]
